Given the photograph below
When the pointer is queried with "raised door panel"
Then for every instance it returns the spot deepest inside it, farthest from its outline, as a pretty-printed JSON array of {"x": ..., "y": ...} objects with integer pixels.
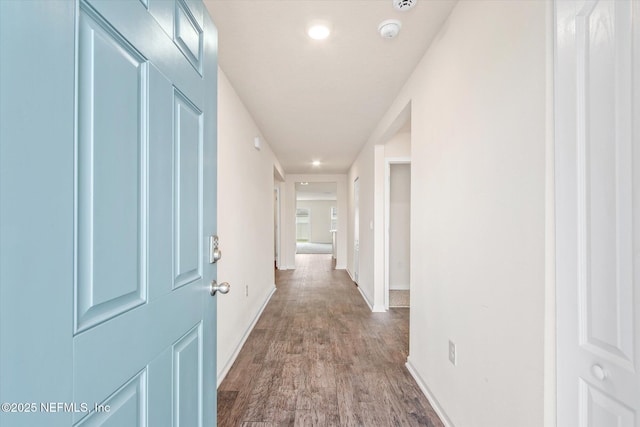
[
  {"x": 126, "y": 407},
  {"x": 187, "y": 379},
  {"x": 187, "y": 143},
  {"x": 599, "y": 409},
  {"x": 111, "y": 354},
  {"x": 605, "y": 191},
  {"x": 111, "y": 250},
  {"x": 597, "y": 212},
  {"x": 188, "y": 34}
]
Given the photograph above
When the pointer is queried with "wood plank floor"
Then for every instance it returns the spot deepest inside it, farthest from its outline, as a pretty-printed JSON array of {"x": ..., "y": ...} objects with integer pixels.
[{"x": 318, "y": 356}]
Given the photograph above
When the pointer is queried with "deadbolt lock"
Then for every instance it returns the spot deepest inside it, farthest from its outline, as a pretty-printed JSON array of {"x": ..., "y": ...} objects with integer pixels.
[{"x": 214, "y": 251}]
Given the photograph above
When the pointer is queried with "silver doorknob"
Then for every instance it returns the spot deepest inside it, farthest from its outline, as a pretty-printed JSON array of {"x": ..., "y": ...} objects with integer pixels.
[
  {"x": 223, "y": 287},
  {"x": 598, "y": 372}
]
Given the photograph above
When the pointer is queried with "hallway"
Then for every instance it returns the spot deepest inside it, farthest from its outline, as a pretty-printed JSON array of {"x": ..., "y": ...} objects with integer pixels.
[{"x": 321, "y": 357}]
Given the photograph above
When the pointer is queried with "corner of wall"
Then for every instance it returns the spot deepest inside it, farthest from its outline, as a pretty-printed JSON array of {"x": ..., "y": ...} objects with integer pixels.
[{"x": 365, "y": 297}]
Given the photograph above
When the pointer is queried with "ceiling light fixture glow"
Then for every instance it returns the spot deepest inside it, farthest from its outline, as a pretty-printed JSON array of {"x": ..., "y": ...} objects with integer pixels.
[
  {"x": 318, "y": 32},
  {"x": 316, "y": 163}
]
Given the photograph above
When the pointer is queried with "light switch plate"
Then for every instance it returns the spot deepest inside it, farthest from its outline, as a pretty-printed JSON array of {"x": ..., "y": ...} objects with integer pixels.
[{"x": 452, "y": 352}]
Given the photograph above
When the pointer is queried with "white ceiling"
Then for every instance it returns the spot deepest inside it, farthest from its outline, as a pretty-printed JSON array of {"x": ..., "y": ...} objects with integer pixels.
[
  {"x": 316, "y": 191},
  {"x": 320, "y": 100}
]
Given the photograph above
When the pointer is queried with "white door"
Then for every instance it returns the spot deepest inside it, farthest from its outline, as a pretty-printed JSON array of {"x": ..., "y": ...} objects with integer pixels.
[
  {"x": 598, "y": 212},
  {"x": 108, "y": 173},
  {"x": 398, "y": 226}
]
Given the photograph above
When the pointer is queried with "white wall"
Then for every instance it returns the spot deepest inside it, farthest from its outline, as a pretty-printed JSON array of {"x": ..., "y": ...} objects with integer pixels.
[
  {"x": 362, "y": 169},
  {"x": 398, "y": 146},
  {"x": 288, "y": 213},
  {"x": 320, "y": 213},
  {"x": 478, "y": 135},
  {"x": 399, "y": 226},
  {"x": 245, "y": 223}
]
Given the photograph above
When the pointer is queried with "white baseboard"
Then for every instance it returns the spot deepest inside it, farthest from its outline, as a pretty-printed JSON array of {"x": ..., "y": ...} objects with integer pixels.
[
  {"x": 341, "y": 267},
  {"x": 364, "y": 297},
  {"x": 350, "y": 275},
  {"x": 430, "y": 397},
  {"x": 379, "y": 309},
  {"x": 235, "y": 353}
]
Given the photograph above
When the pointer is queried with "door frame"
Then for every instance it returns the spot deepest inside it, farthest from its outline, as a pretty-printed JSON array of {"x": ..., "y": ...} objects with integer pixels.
[
  {"x": 356, "y": 230},
  {"x": 277, "y": 225},
  {"x": 387, "y": 220}
]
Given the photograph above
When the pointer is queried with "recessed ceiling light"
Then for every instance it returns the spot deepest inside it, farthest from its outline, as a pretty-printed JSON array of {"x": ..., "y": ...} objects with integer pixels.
[
  {"x": 304, "y": 183},
  {"x": 316, "y": 163},
  {"x": 319, "y": 31}
]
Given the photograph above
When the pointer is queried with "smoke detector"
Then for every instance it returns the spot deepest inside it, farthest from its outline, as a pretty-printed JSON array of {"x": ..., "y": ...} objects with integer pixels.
[
  {"x": 389, "y": 28},
  {"x": 404, "y": 5}
]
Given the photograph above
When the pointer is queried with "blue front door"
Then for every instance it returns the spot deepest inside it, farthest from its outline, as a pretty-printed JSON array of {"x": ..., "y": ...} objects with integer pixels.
[{"x": 125, "y": 255}]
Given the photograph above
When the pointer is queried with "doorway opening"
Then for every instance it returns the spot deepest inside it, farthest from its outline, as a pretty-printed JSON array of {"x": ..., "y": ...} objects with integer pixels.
[
  {"x": 398, "y": 227},
  {"x": 397, "y": 213},
  {"x": 316, "y": 218}
]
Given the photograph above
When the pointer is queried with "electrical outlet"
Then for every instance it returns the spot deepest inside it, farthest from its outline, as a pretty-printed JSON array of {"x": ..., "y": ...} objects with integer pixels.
[
  {"x": 452, "y": 352},
  {"x": 246, "y": 290}
]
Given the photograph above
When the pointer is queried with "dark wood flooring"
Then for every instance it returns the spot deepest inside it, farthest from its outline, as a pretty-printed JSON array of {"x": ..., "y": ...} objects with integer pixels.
[{"x": 318, "y": 356}]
